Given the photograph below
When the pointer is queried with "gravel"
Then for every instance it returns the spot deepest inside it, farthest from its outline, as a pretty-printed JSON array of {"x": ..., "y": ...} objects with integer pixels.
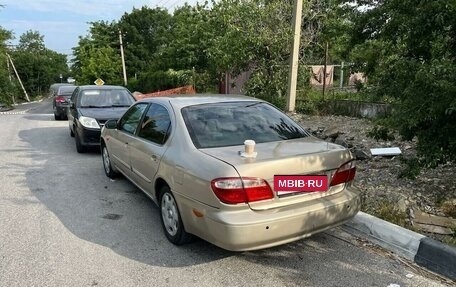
[{"x": 432, "y": 191}]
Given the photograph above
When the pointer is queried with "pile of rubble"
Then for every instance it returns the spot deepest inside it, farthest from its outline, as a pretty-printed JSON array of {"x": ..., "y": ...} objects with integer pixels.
[{"x": 426, "y": 202}]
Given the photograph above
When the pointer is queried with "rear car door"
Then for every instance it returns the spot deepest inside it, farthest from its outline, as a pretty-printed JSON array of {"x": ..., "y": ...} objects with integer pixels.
[
  {"x": 124, "y": 135},
  {"x": 147, "y": 149}
]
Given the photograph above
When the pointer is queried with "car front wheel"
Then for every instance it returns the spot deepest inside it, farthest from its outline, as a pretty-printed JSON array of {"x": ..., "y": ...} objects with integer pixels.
[
  {"x": 109, "y": 171},
  {"x": 171, "y": 219},
  {"x": 80, "y": 148}
]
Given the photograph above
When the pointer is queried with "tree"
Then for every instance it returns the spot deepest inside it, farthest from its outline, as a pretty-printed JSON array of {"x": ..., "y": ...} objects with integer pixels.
[
  {"x": 31, "y": 41},
  {"x": 97, "y": 55},
  {"x": 37, "y": 66},
  {"x": 253, "y": 35},
  {"x": 145, "y": 31},
  {"x": 188, "y": 41},
  {"x": 7, "y": 89},
  {"x": 408, "y": 50}
]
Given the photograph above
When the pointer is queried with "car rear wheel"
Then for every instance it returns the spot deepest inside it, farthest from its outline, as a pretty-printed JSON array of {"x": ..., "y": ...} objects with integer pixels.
[
  {"x": 109, "y": 171},
  {"x": 56, "y": 116},
  {"x": 80, "y": 148},
  {"x": 171, "y": 219}
]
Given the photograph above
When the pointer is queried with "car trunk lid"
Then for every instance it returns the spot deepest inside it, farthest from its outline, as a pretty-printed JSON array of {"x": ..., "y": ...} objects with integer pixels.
[{"x": 305, "y": 156}]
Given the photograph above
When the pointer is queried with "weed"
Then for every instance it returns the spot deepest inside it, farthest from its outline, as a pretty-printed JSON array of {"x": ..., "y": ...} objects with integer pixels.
[
  {"x": 306, "y": 107},
  {"x": 450, "y": 239},
  {"x": 389, "y": 212},
  {"x": 449, "y": 208},
  {"x": 381, "y": 133},
  {"x": 411, "y": 167}
]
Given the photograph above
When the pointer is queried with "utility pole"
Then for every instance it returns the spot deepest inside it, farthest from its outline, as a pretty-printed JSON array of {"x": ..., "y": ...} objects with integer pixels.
[
  {"x": 9, "y": 71},
  {"x": 10, "y": 78},
  {"x": 123, "y": 59},
  {"x": 17, "y": 76},
  {"x": 294, "y": 57}
]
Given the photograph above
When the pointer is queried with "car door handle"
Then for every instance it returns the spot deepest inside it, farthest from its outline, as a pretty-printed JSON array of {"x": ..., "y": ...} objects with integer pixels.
[{"x": 154, "y": 157}]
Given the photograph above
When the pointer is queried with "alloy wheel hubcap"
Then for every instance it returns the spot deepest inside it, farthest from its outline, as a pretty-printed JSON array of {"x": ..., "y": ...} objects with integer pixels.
[
  {"x": 169, "y": 214},
  {"x": 106, "y": 160}
]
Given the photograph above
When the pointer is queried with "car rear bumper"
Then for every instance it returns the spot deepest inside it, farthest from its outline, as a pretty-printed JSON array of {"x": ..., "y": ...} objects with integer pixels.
[
  {"x": 61, "y": 110},
  {"x": 250, "y": 230}
]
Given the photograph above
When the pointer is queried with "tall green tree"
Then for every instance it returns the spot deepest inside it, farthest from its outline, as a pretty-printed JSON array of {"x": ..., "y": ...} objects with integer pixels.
[
  {"x": 252, "y": 35},
  {"x": 37, "y": 66},
  {"x": 7, "y": 89},
  {"x": 145, "y": 31},
  {"x": 186, "y": 46},
  {"x": 408, "y": 50},
  {"x": 98, "y": 55}
]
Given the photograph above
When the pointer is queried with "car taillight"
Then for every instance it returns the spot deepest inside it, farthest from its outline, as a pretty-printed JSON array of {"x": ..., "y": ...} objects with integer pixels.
[
  {"x": 345, "y": 173},
  {"x": 233, "y": 190},
  {"x": 60, "y": 99}
]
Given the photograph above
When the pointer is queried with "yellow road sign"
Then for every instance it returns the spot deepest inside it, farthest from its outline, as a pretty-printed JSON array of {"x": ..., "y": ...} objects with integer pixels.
[{"x": 99, "y": 82}]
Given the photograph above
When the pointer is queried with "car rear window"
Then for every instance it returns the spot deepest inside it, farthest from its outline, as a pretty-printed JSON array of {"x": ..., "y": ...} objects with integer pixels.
[
  {"x": 105, "y": 98},
  {"x": 66, "y": 90},
  {"x": 230, "y": 123}
]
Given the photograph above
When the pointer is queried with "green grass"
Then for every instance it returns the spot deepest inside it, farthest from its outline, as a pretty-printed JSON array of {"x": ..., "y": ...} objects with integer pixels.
[{"x": 389, "y": 212}]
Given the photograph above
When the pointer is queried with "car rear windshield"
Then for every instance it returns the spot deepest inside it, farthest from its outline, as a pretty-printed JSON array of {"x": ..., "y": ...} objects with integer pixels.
[
  {"x": 230, "y": 123},
  {"x": 66, "y": 90},
  {"x": 105, "y": 98}
]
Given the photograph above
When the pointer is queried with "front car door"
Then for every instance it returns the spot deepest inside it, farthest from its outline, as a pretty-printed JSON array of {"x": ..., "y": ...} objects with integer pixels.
[
  {"x": 123, "y": 135},
  {"x": 150, "y": 145},
  {"x": 71, "y": 112}
]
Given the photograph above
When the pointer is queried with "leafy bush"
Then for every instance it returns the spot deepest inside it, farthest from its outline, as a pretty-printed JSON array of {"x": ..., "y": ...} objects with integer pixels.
[
  {"x": 411, "y": 167},
  {"x": 269, "y": 85},
  {"x": 306, "y": 107},
  {"x": 7, "y": 88},
  {"x": 163, "y": 80},
  {"x": 381, "y": 133},
  {"x": 205, "y": 83},
  {"x": 416, "y": 67}
]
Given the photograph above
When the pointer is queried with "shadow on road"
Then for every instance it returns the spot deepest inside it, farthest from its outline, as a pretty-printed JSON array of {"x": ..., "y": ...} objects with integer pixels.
[{"x": 114, "y": 214}]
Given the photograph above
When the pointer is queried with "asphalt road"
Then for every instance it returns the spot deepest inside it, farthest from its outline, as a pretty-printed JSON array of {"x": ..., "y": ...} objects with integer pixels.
[{"x": 64, "y": 223}]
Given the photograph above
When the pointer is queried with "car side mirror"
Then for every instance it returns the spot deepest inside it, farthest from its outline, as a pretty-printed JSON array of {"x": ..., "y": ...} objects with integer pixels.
[{"x": 111, "y": 124}]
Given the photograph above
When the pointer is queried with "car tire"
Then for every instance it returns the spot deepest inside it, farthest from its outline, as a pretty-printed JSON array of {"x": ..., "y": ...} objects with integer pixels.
[
  {"x": 80, "y": 148},
  {"x": 57, "y": 117},
  {"x": 71, "y": 133},
  {"x": 171, "y": 219},
  {"x": 107, "y": 165}
]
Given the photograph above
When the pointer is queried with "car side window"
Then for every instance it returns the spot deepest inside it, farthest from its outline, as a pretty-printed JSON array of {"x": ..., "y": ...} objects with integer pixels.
[
  {"x": 130, "y": 120},
  {"x": 74, "y": 95},
  {"x": 156, "y": 124}
]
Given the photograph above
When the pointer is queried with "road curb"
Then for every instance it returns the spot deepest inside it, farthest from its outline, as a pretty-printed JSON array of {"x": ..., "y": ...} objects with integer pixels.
[{"x": 424, "y": 251}]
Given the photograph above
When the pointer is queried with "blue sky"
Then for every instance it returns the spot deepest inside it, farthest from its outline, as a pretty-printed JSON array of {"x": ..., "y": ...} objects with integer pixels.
[{"x": 62, "y": 22}]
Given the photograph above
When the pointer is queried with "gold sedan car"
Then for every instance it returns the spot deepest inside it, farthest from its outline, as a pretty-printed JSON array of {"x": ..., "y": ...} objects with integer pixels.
[{"x": 232, "y": 170}]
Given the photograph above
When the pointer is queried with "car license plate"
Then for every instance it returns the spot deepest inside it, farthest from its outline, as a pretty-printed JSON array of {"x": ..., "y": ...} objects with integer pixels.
[{"x": 300, "y": 183}]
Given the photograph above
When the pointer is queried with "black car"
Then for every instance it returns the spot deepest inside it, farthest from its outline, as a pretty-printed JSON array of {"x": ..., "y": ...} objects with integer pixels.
[
  {"x": 90, "y": 107},
  {"x": 60, "y": 101}
]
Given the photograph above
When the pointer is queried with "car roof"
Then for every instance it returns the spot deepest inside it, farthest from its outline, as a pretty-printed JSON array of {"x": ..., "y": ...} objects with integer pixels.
[
  {"x": 181, "y": 101},
  {"x": 103, "y": 87},
  {"x": 57, "y": 85},
  {"x": 67, "y": 87}
]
